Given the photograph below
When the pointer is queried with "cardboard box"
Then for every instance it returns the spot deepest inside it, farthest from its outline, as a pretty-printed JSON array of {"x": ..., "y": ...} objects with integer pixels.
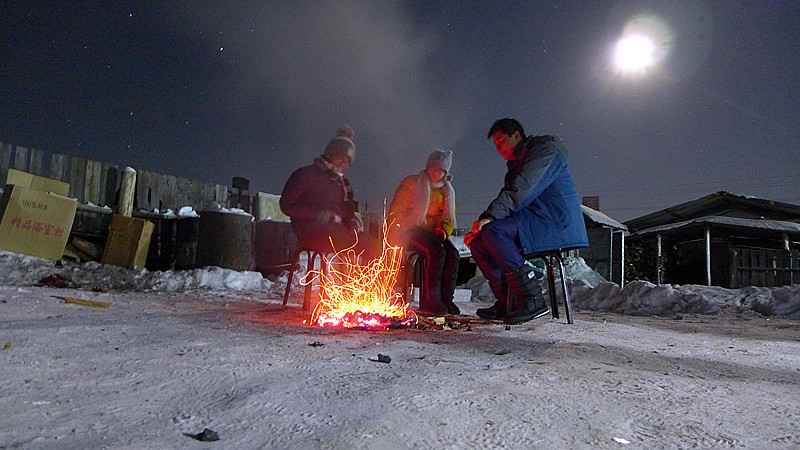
[
  {"x": 34, "y": 222},
  {"x": 35, "y": 182},
  {"x": 128, "y": 241}
]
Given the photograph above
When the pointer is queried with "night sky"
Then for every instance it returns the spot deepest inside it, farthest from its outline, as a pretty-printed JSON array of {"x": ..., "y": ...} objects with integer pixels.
[{"x": 214, "y": 90}]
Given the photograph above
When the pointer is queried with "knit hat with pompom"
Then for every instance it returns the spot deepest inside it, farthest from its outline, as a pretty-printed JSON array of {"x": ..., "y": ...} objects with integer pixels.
[
  {"x": 440, "y": 158},
  {"x": 342, "y": 144}
]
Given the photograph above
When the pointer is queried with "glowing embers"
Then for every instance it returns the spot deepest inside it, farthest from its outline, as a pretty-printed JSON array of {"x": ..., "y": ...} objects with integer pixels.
[{"x": 362, "y": 296}]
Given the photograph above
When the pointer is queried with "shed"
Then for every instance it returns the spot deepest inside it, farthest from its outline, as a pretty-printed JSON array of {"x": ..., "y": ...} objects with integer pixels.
[
  {"x": 606, "y": 251},
  {"x": 722, "y": 240}
]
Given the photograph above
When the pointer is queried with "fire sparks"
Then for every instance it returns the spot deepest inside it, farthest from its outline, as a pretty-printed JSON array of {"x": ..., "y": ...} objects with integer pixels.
[{"x": 362, "y": 296}]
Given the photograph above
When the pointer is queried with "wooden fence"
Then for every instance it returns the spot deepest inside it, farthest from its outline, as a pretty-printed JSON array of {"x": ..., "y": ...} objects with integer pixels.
[
  {"x": 765, "y": 267},
  {"x": 98, "y": 183}
]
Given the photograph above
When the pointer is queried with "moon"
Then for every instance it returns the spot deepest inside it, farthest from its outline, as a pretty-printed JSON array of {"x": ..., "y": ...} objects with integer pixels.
[
  {"x": 634, "y": 53},
  {"x": 644, "y": 43}
]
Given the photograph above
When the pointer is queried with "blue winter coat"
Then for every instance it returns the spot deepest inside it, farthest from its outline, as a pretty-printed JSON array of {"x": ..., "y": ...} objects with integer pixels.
[{"x": 540, "y": 193}]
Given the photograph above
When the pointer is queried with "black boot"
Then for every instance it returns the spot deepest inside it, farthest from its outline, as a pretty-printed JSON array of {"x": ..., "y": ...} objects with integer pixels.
[
  {"x": 452, "y": 308},
  {"x": 530, "y": 303},
  {"x": 498, "y": 310},
  {"x": 432, "y": 306}
]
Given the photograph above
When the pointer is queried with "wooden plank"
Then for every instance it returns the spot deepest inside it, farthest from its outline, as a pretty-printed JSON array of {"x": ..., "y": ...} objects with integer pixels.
[
  {"x": 59, "y": 167},
  {"x": 144, "y": 186},
  {"x": 78, "y": 176},
  {"x": 5, "y": 161},
  {"x": 167, "y": 193},
  {"x": 185, "y": 195},
  {"x": 21, "y": 158},
  {"x": 109, "y": 185},
  {"x": 222, "y": 196},
  {"x": 92, "y": 182},
  {"x": 36, "y": 165}
]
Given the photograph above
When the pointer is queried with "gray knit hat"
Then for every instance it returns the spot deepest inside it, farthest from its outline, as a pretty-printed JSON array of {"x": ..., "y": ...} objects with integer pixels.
[
  {"x": 342, "y": 143},
  {"x": 440, "y": 158}
]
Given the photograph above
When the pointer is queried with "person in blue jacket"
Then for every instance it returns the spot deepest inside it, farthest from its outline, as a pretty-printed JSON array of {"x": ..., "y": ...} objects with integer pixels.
[{"x": 537, "y": 209}]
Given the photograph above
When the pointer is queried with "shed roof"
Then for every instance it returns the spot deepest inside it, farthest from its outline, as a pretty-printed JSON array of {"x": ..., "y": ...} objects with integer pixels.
[
  {"x": 598, "y": 217},
  {"x": 718, "y": 204},
  {"x": 753, "y": 224}
]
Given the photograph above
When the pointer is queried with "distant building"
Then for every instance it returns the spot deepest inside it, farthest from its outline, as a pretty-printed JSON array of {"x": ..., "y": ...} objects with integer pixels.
[
  {"x": 721, "y": 239},
  {"x": 606, "y": 251},
  {"x": 592, "y": 201}
]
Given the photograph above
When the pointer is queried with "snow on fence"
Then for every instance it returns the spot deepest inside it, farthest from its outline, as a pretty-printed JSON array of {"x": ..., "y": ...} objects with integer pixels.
[{"x": 98, "y": 183}]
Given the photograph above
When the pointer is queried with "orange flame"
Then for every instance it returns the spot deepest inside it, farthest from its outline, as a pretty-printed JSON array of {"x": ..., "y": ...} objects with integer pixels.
[{"x": 363, "y": 296}]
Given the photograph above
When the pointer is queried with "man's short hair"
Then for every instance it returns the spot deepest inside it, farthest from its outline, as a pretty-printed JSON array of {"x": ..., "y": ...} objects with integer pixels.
[{"x": 507, "y": 126}]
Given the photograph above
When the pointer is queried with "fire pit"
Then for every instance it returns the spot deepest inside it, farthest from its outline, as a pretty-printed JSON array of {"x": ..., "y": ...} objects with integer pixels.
[{"x": 362, "y": 296}]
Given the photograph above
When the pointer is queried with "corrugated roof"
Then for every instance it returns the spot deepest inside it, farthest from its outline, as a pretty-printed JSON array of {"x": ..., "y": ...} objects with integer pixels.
[
  {"x": 762, "y": 224},
  {"x": 718, "y": 204},
  {"x": 598, "y": 217}
]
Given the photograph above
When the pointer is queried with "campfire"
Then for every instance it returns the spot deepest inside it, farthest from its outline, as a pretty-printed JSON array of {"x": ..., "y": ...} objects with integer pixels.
[{"x": 362, "y": 296}]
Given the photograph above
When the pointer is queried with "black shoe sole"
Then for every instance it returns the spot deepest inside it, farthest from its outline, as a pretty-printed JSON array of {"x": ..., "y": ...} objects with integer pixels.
[
  {"x": 487, "y": 316},
  {"x": 516, "y": 320}
]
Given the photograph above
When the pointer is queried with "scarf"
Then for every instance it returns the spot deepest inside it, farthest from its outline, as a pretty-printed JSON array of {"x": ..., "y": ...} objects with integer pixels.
[
  {"x": 347, "y": 191},
  {"x": 422, "y": 200}
]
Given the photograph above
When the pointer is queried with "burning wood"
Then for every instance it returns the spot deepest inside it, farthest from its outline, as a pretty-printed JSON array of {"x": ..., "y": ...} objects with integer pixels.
[{"x": 362, "y": 296}]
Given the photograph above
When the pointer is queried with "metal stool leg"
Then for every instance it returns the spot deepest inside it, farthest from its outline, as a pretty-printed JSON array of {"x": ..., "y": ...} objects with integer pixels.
[
  {"x": 295, "y": 261},
  {"x": 312, "y": 261},
  {"x": 423, "y": 284},
  {"x": 551, "y": 286},
  {"x": 407, "y": 273},
  {"x": 415, "y": 268},
  {"x": 567, "y": 306}
]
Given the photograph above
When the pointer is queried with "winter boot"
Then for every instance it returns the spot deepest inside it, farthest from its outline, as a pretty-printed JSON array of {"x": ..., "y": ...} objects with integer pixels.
[
  {"x": 452, "y": 308},
  {"x": 432, "y": 306},
  {"x": 529, "y": 302},
  {"x": 498, "y": 310}
]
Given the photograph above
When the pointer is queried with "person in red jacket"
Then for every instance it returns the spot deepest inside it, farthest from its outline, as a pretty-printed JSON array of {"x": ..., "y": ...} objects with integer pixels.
[
  {"x": 319, "y": 200},
  {"x": 421, "y": 218}
]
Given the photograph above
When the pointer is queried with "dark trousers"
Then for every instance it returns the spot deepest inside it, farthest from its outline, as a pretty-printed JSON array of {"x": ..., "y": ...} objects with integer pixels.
[
  {"x": 442, "y": 266},
  {"x": 496, "y": 249}
]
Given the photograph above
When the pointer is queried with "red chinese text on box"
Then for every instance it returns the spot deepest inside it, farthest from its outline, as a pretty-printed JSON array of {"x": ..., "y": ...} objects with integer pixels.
[{"x": 37, "y": 227}]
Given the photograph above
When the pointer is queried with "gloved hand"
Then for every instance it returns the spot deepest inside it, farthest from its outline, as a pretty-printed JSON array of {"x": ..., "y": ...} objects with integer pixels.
[
  {"x": 356, "y": 224},
  {"x": 468, "y": 239},
  {"x": 327, "y": 216}
]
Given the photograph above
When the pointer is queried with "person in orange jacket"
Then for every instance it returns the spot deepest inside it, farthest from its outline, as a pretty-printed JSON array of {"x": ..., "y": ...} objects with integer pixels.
[{"x": 421, "y": 218}]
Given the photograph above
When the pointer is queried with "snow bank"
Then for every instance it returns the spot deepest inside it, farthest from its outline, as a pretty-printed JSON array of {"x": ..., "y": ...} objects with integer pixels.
[{"x": 588, "y": 290}]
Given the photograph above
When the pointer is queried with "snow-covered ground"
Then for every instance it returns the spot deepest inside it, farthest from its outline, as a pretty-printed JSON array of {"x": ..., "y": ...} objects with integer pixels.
[{"x": 164, "y": 355}]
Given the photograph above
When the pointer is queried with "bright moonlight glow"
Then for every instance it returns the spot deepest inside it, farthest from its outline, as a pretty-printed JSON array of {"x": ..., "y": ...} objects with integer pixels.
[
  {"x": 634, "y": 53},
  {"x": 645, "y": 42}
]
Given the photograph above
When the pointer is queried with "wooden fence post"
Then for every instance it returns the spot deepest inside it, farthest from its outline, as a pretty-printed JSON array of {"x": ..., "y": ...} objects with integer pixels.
[
  {"x": 21, "y": 158},
  {"x": 91, "y": 188},
  {"x": 127, "y": 188},
  {"x": 77, "y": 179},
  {"x": 36, "y": 162},
  {"x": 5, "y": 161},
  {"x": 108, "y": 186},
  {"x": 59, "y": 167}
]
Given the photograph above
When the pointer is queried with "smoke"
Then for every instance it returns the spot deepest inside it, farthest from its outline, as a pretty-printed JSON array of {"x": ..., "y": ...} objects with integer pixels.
[{"x": 297, "y": 70}]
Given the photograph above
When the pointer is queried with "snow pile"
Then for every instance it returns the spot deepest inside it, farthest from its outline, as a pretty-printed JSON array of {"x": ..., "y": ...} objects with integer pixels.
[
  {"x": 22, "y": 270},
  {"x": 642, "y": 298},
  {"x": 588, "y": 290},
  {"x": 211, "y": 277}
]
